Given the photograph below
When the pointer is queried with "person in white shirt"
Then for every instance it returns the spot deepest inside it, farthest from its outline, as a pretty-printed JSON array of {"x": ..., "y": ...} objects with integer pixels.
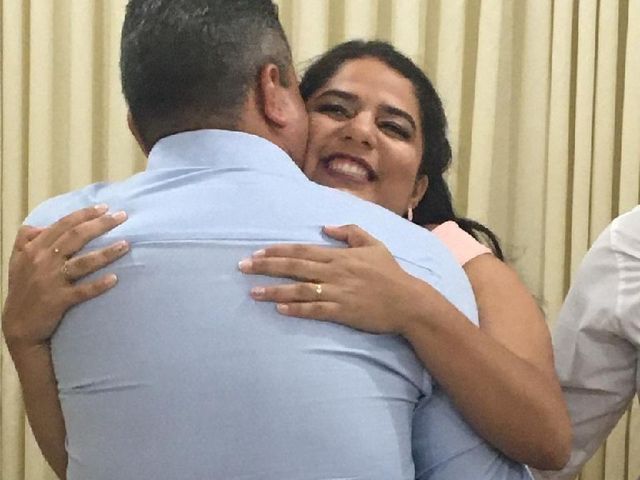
[{"x": 597, "y": 340}]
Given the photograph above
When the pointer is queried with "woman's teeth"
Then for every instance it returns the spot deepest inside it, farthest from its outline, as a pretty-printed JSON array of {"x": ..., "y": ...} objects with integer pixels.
[{"x": 349, "y": 168}]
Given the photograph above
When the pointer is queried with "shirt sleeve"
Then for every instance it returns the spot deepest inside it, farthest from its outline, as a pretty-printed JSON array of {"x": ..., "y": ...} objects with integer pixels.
[
  {"x": 596, "y": 341},
  {"x": 463, "y": 246},
  {"x": 446, "y": 448}
]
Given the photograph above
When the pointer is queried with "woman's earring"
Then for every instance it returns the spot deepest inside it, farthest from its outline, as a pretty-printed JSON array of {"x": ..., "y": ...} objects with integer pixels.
[{"x": 410, "y": 214}]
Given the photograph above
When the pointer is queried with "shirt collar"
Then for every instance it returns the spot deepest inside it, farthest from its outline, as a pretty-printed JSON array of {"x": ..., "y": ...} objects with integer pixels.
[{"x": 221, "y": 149}]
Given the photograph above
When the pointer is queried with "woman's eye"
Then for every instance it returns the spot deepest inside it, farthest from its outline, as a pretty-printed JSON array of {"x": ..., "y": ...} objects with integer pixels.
[
  {"x": 396, "y": 130},
  {"x": 334, "y": 110}
]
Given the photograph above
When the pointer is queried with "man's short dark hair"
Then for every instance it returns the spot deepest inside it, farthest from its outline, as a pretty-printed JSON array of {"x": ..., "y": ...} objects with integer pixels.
[{"x": 189, "y": 64}]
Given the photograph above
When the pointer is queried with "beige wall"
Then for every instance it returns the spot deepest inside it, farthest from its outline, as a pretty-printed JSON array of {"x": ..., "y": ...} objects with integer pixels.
[{"x": 542, "y": 96}]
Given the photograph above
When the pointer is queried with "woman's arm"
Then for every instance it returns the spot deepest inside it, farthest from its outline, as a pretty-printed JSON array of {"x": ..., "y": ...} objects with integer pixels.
[
  {"x": 500, "y": 376},
  {"x": 41, "y": 289},
  {"x": 40, "y": 395}
]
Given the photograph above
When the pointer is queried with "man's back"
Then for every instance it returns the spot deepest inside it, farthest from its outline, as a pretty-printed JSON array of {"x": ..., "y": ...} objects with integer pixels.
[{"x": 177, "y": 373}]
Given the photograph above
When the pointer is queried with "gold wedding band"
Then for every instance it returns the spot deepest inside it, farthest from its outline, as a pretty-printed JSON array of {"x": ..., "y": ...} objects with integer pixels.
[
  {"x": 318, "y": 289},
  {"x": 65, "y": 272}
]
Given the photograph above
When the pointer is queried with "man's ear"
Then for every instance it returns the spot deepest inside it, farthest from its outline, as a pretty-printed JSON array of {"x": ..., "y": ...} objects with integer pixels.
[
  {"x": 133, "y": 128},
  {"x": 273, "y": 96}
]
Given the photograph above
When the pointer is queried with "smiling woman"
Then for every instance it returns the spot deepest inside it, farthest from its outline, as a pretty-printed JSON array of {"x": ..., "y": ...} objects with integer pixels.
[
  {"x": 378, "y": 131},
  {"x": 365, "y": 135}
]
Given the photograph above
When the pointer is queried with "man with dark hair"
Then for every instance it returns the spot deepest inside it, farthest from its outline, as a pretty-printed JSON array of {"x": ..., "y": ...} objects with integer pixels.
[
  {"x": 176, "y": 373},
  {"x": 177, "y": 58}
]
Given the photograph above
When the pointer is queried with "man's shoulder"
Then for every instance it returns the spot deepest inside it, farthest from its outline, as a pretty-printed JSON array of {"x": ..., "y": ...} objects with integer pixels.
[
  {"x": 625, "y": 230},
  {"x": 617, "y": 247},
  {"x": 406, "y": 241},
  {"x": 368, "y": 215},
  {"x": 54, "y": 208}
]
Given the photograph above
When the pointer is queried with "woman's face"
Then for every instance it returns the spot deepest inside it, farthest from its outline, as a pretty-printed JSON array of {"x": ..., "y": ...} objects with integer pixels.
[{"x": 365, "y": 135}]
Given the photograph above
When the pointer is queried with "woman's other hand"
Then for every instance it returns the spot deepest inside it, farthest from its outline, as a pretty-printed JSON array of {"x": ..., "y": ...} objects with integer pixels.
[{"x": 43, "y": 273}]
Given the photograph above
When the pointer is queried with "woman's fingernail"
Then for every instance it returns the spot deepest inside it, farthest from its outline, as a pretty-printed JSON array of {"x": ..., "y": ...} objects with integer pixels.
[
  {"x": 112, "y": 279},
  {"x": 257, "y": 292},
  {"x": 102, "y": 208},
  {"x": 122, "y": 246},
  {"x": 119, "y": 216},
  {"x": 258, "y": 253},
  {"x": 245, "y": 265},
  {"x": 283, "y": 308}
]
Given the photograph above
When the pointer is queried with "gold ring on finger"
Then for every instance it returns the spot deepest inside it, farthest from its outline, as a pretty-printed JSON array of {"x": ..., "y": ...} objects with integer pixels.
[
  {"x": 318, "y": 289},
  {"x": 65, "y": 272}
]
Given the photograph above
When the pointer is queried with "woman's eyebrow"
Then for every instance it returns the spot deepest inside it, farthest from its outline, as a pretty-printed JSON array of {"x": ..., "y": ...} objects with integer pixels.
[
  {"x": 339, "y": 93},
  {"x": 399, "y": 113}
]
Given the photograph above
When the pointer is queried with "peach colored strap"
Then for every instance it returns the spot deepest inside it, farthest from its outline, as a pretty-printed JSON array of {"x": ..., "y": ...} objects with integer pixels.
[{"x": 463, "y": 246}]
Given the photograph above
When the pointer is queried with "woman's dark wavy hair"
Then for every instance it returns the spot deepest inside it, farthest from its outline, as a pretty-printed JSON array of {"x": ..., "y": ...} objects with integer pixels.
[{"x": 436, "y": 206}]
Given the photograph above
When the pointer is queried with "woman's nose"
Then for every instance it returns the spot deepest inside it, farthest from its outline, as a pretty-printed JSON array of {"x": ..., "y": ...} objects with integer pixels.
[{"x": 361, "y": 129}]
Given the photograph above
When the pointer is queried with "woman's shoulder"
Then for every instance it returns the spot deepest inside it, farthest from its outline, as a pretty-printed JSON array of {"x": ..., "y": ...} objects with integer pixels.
[{"x": 463, "y": 246}]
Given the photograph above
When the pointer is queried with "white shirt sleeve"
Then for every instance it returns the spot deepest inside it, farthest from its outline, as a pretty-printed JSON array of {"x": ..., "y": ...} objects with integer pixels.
[{"x": 597, "y": 339}]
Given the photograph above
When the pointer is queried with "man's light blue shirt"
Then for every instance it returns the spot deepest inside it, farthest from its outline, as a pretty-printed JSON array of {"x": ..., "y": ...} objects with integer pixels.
[{"x": 177, "y": 373}]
